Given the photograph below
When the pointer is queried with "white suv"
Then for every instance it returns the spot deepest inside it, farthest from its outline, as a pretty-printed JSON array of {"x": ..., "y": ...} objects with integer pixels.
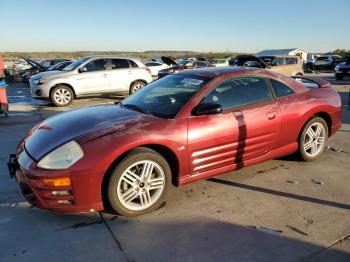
[{"x": 90, "y": 75}]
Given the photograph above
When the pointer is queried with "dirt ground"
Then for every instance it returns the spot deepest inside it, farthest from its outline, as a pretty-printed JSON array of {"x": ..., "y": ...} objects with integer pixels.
[{"x": 280, "y": 210}]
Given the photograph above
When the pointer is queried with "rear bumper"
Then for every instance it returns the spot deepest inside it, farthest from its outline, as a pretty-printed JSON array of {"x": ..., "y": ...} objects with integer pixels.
[
  {"x": 30, "y": 182},
  {"x": 337, "y": 118}
]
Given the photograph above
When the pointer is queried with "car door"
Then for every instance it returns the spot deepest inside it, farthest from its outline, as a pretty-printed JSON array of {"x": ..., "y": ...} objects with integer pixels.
[
  {"x": 93, "y": 77},
  {"x": 246, "y": 129},
  {"x": 120, "y": 75}
]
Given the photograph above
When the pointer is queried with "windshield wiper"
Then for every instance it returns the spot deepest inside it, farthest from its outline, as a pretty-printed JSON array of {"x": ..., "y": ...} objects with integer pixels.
[{"x": 135, "y": 107}]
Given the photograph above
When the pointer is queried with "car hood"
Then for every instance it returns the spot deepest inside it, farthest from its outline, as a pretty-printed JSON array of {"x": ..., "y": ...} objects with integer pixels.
[
  {"x": 164, "y": 59},
  {"x": 64, "y": 127},
  {"x": 33, "y": 63},
  {"x": 46, "y": 74}
]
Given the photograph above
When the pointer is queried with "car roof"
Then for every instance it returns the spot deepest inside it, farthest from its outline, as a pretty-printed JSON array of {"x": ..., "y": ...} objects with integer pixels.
[
  {"x": 111, "y": 57},
  {"x": 212, "y": 72}
]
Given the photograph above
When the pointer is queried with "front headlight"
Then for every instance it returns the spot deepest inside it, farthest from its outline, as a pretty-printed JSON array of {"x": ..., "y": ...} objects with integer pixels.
[
  {"x": 62, "y": 157},
  {"x": 39, "y": 81}
]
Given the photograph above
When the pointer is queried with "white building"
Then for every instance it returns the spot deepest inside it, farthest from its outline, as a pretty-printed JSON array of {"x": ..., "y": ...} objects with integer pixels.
[{"x": 289, "y": 51}]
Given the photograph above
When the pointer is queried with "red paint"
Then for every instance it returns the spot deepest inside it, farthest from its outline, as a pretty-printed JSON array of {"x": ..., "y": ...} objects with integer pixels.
[{"x": 204, "y": 146}]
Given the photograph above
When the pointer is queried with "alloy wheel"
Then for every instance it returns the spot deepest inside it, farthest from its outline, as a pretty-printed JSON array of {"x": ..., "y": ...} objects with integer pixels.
[
  {"x": 136, "y": 87},
  {"x": 62, "y": 96},
  {"x": 141, "y": 185},
  {"x": 314, "y": 139}
]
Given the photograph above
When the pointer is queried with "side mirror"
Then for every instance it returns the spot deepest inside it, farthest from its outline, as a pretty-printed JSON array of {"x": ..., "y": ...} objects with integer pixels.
[
  {"x": 82, "y": 69},
  {"x": 207, "y": 109}
]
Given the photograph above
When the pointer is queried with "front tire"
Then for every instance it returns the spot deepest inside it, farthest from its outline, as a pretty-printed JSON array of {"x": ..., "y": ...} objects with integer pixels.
[
  {"x": 136, "y": 86},
  {"x": 61, "y": 96},
  {"x": 313, "y": 139},
  {"x": 139, "y": 183}
]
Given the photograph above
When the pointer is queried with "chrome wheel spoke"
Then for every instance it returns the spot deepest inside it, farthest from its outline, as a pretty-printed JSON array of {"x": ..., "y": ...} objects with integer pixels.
[
  {"x": 156, "y": 183},
  {"x": 130, "y": 194},
  {"x": 308, "y": 145},
  {"x": 147, "y": 170},
  {"x": 145, "y": 198},
  {"x": 311, "y": 133},
  {"x": 130, "y": 177}
]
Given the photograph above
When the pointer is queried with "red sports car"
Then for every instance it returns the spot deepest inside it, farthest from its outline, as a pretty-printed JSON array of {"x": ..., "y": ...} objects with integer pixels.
[{"x": 184, "y": 127}]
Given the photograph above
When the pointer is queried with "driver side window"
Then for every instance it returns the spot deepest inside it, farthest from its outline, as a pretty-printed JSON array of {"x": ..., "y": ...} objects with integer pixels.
[{"x": 238, "y": 92}]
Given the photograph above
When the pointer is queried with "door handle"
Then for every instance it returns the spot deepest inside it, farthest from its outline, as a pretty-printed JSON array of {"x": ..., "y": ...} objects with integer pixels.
[
  {"x": 104, "y": 75},
  {"x": 129, "y": 72},
  {"x": 271, "y": 115}
]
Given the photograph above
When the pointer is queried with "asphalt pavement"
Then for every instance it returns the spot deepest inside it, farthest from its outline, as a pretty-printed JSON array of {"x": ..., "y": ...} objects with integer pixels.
[{"x": 279, "y": 210}]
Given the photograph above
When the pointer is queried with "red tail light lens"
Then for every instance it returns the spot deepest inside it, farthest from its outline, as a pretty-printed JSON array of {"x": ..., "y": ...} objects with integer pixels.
[{"x": 148, "y": 70}]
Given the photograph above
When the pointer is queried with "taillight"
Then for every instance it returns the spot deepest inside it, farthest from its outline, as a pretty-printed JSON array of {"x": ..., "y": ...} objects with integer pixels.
[{"x": 148, "y": 70}]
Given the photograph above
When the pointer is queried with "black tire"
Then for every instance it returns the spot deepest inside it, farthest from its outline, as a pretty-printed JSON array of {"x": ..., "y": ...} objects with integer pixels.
[
  {"x": 134, "y": 156},
  {"x": 66, "y": 92},
  {"x": 302, "y": 152},
  {"x": 136, "y": 86}
]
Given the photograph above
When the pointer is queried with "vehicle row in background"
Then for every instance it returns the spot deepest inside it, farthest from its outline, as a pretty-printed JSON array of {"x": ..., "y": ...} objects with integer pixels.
[
  {"x": 190, "y": 64},
  {"x": 288, "y": 65}
]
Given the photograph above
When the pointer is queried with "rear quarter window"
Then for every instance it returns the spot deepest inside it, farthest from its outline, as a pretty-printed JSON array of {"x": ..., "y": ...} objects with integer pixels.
[{"x": 281, "y": 89}]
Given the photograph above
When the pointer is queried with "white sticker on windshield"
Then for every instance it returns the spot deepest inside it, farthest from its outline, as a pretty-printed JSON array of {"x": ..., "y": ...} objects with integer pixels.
[{"x": 191, "y": 81}]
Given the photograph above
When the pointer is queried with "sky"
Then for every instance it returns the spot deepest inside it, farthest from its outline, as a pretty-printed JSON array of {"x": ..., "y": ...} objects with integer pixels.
[{"x": 135, "y": 25}]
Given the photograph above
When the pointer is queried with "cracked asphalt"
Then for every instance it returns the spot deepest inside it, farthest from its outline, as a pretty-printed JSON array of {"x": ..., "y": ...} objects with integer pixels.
[{"x": 281, "y": 209}]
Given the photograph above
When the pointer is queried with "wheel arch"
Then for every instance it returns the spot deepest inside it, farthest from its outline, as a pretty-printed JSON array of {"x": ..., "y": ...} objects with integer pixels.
[
  {"x": 63, "y": 84},
  {"x": 324, "y": 115},
  {"x": 138, "y": 80}
]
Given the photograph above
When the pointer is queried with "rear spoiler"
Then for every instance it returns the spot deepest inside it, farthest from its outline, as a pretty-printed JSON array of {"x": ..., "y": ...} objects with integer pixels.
[{"x": 312, "y": 82}]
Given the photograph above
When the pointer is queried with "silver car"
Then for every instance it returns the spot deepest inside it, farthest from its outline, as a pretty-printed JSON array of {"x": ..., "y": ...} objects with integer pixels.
[{"x": 90, "y": 75}]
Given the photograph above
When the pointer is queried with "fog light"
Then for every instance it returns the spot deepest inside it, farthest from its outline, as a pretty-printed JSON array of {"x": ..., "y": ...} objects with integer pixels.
[
  {"x": 57, "y": 181},
  {"x": 38, "y": 92},
  {"x": 61, "y": 193},
  {"x": 65, "y": 202}
]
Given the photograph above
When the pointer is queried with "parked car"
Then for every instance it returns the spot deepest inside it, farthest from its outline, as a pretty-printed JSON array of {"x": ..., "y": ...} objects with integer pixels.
[
  {"x": 26, "y": 73},
  {"x": 327, "y": 62},
  {"x": 288, "y": 65},
  {"x": 267, "y": 59},
  {"x": 191, "y": 64},
  {"x": 342, "y": 69},
  {"x": 91, "y": 75},
  {"x": 220, "y": 62},
  {"x": 50, "y": 62},
  {"x": 184, "y": 127},
  {"x": 59, "y": 66},
  {"x": 155, "y": 67}
]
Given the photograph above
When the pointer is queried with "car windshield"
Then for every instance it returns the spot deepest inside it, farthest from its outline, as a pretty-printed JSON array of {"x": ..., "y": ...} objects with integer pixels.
[
  {"x": 167, "y": 96},
  {"x": 75, "y": 64},
  {"x": 53, "y": 67}
]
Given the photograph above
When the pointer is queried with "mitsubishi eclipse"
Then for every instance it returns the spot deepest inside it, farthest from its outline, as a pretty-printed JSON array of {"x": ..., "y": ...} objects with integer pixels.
[{"x": 184, "y": 127}]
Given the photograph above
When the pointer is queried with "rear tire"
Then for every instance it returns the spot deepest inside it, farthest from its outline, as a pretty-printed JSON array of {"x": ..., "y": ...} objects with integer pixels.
[
  {"x": 136, "y": 86},
  {"x": 61, "y": 96},
  {"x": 313, "y": 139},
  {"x": 139, "y": 183}
]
